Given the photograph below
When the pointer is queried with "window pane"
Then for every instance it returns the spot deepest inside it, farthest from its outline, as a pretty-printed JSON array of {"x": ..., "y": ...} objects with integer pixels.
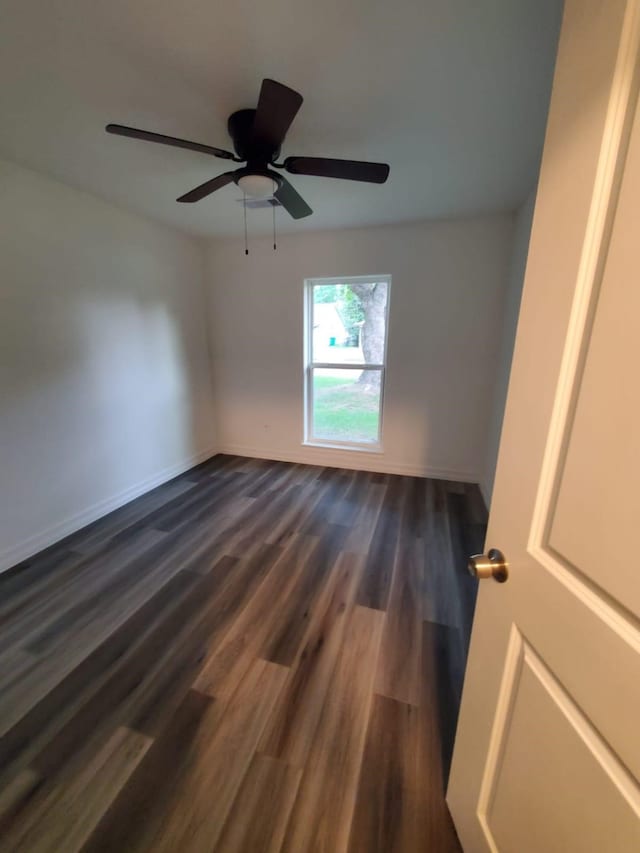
[
  {"x": 346, "y": 404},
  {"x": 349, "y": 323}
]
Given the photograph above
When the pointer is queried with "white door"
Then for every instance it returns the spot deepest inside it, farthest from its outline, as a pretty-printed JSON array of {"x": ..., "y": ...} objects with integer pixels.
[{"x": 547, "y": 755}]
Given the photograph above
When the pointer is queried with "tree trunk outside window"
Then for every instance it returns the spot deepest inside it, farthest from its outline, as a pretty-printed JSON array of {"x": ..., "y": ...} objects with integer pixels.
[{"x": 374, "y": 303}]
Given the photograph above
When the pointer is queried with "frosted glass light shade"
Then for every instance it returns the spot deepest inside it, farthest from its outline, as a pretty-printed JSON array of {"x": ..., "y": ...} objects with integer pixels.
[{"x": 257, "y": 186}]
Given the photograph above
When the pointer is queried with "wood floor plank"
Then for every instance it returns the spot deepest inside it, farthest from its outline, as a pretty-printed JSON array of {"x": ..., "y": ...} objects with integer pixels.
[
  {"x": 346, "y": 508},
  {"x": 392, "y": 807},
  {"x": 192, "y": 800},
  {"x": 186, "y": 655},
  {"x": 46, "y": 718},
  {"x": 399, "y": 667},
  {"x": 283, "y": 646},
  {"x": 364, "y": 524},
  {"x": 256, "y": 623},
  {"x": 213, "y": 502},
  {"x": 151, "y": 790},
  {"x": 267, "y": 511},
  {"x": 321, "y": 816},
  {"x": 65, "y": 817},
  {"x": 224, "y": 593},
  {"x": 293, "y": 726},
  {"x": 214, "y": 779},
  {"x": 289, "y": 525},
  {"x": 255, "y": 656},
  {"x": 46, "y": 671},
  {"x": 114, "y": 588},
  {"x": 278, "y": 475},
  {"x": 213, "y": 495},
  {"x": 34, "y": 579},
  {"x": 166, "y": 516},
  {"x": 15, "y": 662},
  {"x": 259, "y": 815},
  {"x": 440, "y": 833},
  {"x": 335, "y": 483},
  {"x": 93, "y": 538},
  {"x": 142, "y": 689},
  {"x": 15, "y": 795},
  {"x": 86, "y": 575},
  {"x": 443, "y": 662},
  {"x": 415, "y": 511},
  {"x": 240, "y": 531},
  {"x": 439, "y": 597},
  {"x": 466, "y": 538},
  {"x": 401, "y": 804},
  {"x": 376, "y": 578}
]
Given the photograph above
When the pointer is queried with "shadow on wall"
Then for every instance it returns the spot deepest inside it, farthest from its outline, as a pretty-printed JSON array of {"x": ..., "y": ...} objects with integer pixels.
[
  {"x": 104, "y": 374},
  {"x": 524, "y": 220}
]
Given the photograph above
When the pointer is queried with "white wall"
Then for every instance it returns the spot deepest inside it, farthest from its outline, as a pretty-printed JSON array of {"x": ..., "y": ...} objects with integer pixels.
[
  {"x": 104, "y": 378},
  {"x": 508, "y": 335},
  {"x": 446, "y": 310}
]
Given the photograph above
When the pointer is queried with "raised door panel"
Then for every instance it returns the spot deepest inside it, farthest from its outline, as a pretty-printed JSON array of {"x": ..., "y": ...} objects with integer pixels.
[
  {"x": 556, "y": 785},
  {"x": 597, "y": 512}
]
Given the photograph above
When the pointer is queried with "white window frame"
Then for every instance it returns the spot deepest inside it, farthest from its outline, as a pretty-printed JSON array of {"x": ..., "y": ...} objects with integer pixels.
[{"x": 310, "y": 365}]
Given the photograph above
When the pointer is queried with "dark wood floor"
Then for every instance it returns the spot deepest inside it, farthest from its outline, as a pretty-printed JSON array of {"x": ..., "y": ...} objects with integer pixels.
[{"x": 257, "y": 656}]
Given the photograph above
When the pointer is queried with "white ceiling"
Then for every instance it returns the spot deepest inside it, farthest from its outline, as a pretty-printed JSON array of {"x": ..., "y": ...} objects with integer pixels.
[{"x": 451, "y": 93}]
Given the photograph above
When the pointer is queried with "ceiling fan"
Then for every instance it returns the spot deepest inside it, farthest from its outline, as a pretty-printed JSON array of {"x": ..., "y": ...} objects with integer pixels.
[{"x": 257, "y": 136}]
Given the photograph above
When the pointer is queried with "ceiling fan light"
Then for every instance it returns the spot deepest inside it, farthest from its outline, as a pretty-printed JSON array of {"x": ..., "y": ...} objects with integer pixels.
[{"x": 257, "y": 186}]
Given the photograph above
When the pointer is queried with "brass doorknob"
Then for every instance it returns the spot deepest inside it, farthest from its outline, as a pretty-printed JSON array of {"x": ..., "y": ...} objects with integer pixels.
[{"x": 492, "y": 565}]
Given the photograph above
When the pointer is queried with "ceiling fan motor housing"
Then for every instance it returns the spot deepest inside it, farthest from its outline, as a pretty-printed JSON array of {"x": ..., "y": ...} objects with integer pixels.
[{"x": 254, "y": 151}]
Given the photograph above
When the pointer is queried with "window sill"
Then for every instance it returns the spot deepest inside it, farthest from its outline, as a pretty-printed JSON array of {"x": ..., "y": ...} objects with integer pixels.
[{"x": 358, "y": 448}]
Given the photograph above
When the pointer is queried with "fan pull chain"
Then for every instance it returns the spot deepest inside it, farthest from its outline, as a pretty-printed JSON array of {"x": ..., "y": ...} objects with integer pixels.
[
  {"x": 246, "y": 243},
  {"x": 273, "y": 208}
]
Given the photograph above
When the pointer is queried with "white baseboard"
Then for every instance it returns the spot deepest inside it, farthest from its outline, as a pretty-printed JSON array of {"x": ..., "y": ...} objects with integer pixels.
[
  {"x": 43, "y": 539},
  {"x": 306, "y": 455},
  {"x": 355, "y": 460}
]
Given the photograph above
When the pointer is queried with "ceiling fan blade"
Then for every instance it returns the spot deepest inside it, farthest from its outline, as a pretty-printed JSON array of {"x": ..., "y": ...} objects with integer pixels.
[
  {"x": 277, "y": 108},
  {"x": 291, "y": 200},
  {"x": 207, "y": 188},
  {"x": 148, "y": 136},
  {"x": 349, "y": 170}
]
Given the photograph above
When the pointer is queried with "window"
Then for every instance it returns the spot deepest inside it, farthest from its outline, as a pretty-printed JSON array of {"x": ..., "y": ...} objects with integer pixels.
[{"x": 345, "y": 358}]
